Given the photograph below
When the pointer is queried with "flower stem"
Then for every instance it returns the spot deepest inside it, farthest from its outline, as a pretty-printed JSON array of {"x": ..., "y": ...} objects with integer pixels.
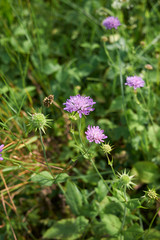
[
  {"x": 109, "y": 190},
  {"x": 79, "y": 130},
  {"x": 107, "y": 53},
  {"x": 125, "y": 211},
  {"x": 44, "y": 152},
  {"x": 110, "y": 163}
]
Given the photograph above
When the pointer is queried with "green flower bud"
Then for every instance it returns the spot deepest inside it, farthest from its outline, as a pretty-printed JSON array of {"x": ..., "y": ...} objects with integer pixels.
[
  {"x": 125, "y": 180},
  {"x": 151, "y": 193},
  {"x": 106, "y": 148},
  {"x": 39, "y": 121},
  {"x": 73, "y": 117}
]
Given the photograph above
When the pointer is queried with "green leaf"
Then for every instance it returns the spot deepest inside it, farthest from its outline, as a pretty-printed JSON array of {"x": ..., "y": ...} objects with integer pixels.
[
  {"x": 44, "y": 178},
  {"x": 152, "y": 234},
  {"x": 111, "y": 205},
  {"x": 154, "y": 135},
  {"x": 146, "y": 171},
  {"x": 101, "y": 190},
  {"x": 116, "y": 104},
  {"x": 133, "y": 204},
  {"x": 73, "y": 197},
  {"x": 133, "y": 232},
  {"x": 50, "y": 67},
  {"x": 62, "y": 177},
  {"x": 67, "y": 229},
  {"x": 110, "y": 224}
]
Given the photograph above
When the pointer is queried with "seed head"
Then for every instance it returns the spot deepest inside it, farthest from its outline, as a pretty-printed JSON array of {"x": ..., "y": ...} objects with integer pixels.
[{"x": 48, "y": 100}]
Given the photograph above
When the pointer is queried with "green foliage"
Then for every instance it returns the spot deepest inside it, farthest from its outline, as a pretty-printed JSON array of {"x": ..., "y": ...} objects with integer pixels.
[
  {"x": 67, "y": 229},
  {"x": 61, "y": 48},
  {"x": 147, "y": 172},
  {"x": 110, "y": 225},
  {"x": 73, "y": 197},
  {"x": 45, "y": 178}
]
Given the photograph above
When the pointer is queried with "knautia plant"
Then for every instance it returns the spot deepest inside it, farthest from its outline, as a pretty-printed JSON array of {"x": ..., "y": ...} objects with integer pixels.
[
  {"x": 78, "y": 188},
  {"x": 1, "y": 149},
  {"x": 95, "y": 134},
  {"x": 79, "y": 104},
  {"x": 111, "y": 22},
  {"x": 135, "y": 82}
]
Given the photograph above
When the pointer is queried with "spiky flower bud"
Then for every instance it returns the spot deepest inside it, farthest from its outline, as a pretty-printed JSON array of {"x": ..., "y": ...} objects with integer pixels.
[
  {"x": 73, "y": 117},
  {"x": 106, "y": 148},
  {"x": 151, "y": 193},
  {"x": 148, "y": 67},
  {"x": 39, "y": 121},
  {"x": 104, "y": 38},
  {"x": 125, "y": 180}
]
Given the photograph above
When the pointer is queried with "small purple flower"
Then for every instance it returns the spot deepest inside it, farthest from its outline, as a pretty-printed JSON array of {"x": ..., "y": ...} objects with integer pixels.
[
  {"x": 80, "y": 104},
  {"x": 1, "y": 149},
  {"x": 111, "y": 22},
  {"x": 95, "y": 134},
  {"x": 135, "y": 82}
]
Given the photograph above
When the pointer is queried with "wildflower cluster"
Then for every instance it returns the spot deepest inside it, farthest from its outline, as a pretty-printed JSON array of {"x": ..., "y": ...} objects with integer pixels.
[
  {"x": 132, "y": 81},
  {"x": 83, "y": 105}
]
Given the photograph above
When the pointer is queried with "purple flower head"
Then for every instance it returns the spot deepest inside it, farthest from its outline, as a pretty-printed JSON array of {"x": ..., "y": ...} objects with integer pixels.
[
  {"x": 1, "y": 149},
  {"x": 135, "y": 82},
  {"x": 111, "y": 22},
  {"x": 79, "y": 104},
  {"x": 95, "y": 134}
]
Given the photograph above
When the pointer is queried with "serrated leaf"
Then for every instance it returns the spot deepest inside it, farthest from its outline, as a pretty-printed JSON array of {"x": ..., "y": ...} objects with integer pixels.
[
  {"x": 133, "y": 204},
  {"x": 73, "y": 197},
  {"x": 152, "y": 234},
  {"x": 67, "y": 229},
  {"x": 110, "y": 224},
  {"x": 154, "y": 135},
  {"x": 101, "y": 190},
  {"x": 43, "y": 178},
  {"x": 133, "y": 232},
  {"x": 62, "y": 177}
]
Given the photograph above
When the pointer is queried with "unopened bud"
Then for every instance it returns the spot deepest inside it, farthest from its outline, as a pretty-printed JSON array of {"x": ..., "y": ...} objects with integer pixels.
[
  {"x": 106, "y": 148},
  {"x": 104, "y": 38},
  {"x": 125, "y": 180},
  {"x": 148, "y": 66}
]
